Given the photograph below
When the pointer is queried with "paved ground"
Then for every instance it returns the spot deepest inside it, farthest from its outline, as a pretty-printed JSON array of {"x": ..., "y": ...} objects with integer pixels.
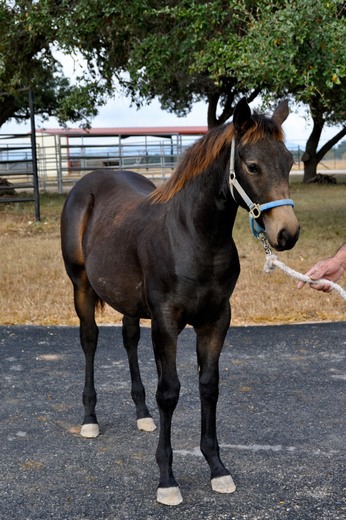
[{"x": 282, "y": 428}]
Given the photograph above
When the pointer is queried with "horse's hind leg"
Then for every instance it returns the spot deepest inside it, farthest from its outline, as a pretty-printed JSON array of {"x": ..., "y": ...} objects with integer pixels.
[
  {"x": 85, "y": 300},
  {"x": 131, "y": 334}
]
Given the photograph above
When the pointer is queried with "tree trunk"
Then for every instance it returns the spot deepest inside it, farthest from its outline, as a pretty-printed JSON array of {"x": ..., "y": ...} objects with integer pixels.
[
  {"x": 310, "y": 156},
  {"x": 7, "y": 108},
  {"x": 213, "y": 100},
  {"x": 310, "y": 166},
  {"x": 228, "y": 108}
]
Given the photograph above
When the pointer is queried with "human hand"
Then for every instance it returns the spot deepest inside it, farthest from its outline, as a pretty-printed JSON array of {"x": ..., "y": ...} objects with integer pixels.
[{"x": 331, "y": 269}]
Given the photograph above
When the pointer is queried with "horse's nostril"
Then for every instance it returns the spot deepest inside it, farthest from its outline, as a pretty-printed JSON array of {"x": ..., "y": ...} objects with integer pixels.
[
  {"x": 286, "y": 240},
  {"x": 283, "y": 237}
]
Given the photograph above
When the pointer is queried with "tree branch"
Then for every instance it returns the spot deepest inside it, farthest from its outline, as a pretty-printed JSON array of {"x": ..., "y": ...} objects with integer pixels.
[
  {"x": 254, "y": 94},
  {"x": 329, "y": 144}
]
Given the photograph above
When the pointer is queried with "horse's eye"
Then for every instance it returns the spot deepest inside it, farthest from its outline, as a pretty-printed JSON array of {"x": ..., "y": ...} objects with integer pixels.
[{"x": 252, "y": 168}]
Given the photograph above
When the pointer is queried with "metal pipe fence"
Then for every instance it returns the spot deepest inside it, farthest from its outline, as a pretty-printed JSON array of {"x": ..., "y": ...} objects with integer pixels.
[
  {"x": 18, "y": 171},
  {"x": 63, "y": 159}
]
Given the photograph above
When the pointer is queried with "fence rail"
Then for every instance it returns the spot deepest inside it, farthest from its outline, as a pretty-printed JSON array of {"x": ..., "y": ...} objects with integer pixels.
[
  {"x": 18, "y": 164},
  {"x": 63, "y": 159}
]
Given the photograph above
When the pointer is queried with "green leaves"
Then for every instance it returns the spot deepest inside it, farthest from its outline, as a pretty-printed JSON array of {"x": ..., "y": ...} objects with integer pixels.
[
  {"x": 180, "y": 52},
  {"x": 28, "y": 31}
]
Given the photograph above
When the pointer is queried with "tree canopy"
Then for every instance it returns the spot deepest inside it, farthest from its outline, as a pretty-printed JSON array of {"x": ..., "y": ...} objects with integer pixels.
[
  {"x": 150, "y": 48},
  {"x": 300, "y": 50},
  {"x": 180, "y": 52},
  {"x": 27, "y": 37}
]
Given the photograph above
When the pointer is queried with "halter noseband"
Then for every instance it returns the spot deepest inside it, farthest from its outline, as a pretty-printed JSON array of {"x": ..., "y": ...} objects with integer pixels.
[{"x": 255, "y": 210}]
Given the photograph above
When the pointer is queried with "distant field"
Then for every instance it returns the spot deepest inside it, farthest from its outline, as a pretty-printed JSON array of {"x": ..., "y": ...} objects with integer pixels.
[
  {"x": 324, "y": 166},
  {"x": 34, "y": 288}
]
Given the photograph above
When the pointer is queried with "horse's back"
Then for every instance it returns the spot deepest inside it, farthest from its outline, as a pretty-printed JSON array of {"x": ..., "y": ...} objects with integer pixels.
[{"x": 102, "y": 182}]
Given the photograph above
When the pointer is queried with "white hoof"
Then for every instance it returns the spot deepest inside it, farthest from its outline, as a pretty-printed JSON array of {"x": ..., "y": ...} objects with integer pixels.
[
  {"x": 90, "y": 430},
  {"x": 169, "y": 496},
  {"x": 146, "y": 424},
  {"x": 223, "y": 484}
]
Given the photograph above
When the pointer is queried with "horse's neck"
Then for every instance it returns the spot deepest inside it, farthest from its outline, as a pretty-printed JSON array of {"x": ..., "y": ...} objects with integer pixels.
[{"x": 206, "y": 206}]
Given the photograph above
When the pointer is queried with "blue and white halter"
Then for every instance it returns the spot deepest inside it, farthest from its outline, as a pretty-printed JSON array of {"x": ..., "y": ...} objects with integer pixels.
[{"x": 255, "y": 210}]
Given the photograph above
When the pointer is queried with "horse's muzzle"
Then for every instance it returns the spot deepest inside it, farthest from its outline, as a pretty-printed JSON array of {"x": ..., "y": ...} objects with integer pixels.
[
  {"x": 286, "y": 240},
  {"x": 281, "y": 227}
]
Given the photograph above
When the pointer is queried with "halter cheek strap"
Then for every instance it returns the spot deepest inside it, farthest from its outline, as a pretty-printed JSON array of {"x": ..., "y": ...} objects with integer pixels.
[{"x": 255, "y": 210}]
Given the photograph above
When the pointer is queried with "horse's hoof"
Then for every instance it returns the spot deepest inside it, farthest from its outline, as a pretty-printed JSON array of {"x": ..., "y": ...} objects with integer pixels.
[
  {"x": 169, "y": 496},
  {"x": 90, "y": 430},
  {"x": 223, "y": 484},
  {"x": 146, "y": 424}
]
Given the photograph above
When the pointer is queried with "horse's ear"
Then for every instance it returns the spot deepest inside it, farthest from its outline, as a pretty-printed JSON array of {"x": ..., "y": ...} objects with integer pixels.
[
  {"x": 281, "y": 112},
  {"x": 242, "y": 119}
]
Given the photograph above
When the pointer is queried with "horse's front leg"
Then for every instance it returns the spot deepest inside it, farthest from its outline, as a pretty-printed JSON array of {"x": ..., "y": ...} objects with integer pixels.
[
  {"x": 167, "y": 395},
  {"x": 210, "y": 338}
]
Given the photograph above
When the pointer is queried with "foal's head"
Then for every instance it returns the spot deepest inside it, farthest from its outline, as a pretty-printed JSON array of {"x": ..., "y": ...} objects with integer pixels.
[{"x": 262, "y": 166}]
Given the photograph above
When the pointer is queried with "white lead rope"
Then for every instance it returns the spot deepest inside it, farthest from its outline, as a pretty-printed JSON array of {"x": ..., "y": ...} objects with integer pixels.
[{"x": 272, "y": 261}]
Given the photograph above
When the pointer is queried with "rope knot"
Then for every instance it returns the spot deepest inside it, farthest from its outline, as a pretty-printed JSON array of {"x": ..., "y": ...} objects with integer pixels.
[{"x": 269, "y": 264}]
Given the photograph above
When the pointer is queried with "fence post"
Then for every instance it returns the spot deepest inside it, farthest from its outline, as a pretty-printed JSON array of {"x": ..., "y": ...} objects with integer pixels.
[{"x": 34, "y": 156}]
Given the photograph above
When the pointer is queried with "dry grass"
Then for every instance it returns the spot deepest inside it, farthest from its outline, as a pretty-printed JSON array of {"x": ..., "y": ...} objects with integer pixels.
[
  {"x": 273, "y": 298},
  {"x": 325, "y": 165},
  {"x": 34, "y": 288}
]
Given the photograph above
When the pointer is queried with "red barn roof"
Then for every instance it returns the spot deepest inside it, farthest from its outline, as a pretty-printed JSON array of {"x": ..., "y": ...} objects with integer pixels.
[{"x": 154, "y": 131}]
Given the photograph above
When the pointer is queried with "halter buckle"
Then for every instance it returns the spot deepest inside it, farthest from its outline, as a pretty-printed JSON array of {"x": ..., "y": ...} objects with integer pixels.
[{"x": 255, "y": 211}]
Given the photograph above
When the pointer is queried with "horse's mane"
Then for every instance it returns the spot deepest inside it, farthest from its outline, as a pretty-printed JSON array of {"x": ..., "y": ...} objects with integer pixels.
[{"x": 201, "y": 154}]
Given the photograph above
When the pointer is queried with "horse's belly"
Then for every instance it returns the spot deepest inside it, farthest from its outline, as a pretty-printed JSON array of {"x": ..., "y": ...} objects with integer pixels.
[{"x": 124, "y": 293}]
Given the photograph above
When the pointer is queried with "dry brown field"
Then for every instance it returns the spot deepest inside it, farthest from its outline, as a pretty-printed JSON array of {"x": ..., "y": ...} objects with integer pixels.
[
  {"x": 34, "y": 288},
  {"x": 325, "y": 166}
]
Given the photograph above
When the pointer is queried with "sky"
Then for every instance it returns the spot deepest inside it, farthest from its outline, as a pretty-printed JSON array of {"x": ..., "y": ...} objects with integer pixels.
[{"x": 119, "y": 113}]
